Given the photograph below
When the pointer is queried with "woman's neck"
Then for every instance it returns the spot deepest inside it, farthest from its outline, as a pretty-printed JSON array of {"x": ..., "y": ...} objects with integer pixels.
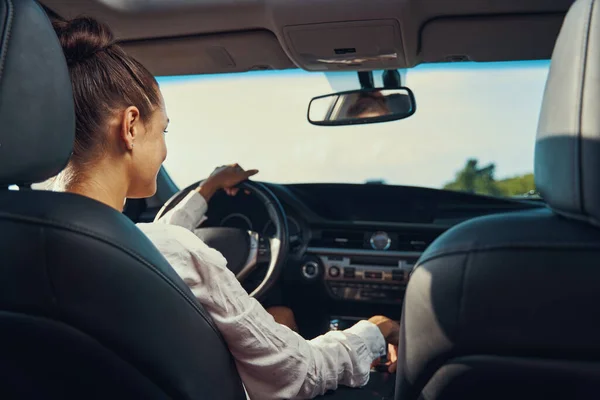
[{"x": 102, "y": 185}]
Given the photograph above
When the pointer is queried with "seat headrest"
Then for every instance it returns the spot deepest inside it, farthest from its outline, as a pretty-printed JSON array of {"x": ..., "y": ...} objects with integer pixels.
[
  {"x": 567, "y": 153},
  {"x": 37, "y": 115}
]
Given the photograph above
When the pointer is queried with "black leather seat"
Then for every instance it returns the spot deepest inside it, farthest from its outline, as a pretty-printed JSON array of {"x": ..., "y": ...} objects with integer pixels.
[
  {"x": 508, "y": 306},
  {"x": 88, "y": 307}
]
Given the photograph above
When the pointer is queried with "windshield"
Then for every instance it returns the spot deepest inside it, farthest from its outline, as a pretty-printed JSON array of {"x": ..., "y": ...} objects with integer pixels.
[{"x": 474, "y": 128}]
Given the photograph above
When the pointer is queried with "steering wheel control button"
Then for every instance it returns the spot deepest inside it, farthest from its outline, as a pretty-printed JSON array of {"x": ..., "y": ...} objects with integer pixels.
[
  {"x": 264, "y": 250},
  {"x": 310, "y": 270},
  {"x": 334, "y": 272},
  {"x": 349, "y": 272}
]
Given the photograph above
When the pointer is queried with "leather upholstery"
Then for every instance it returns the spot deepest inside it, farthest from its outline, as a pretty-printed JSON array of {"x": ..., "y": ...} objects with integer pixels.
[
  {"x": 36, "y": 102},
  {"x": 508, "y": 306},
  {"x": 567, "y": 154},
  {"x": 85, "y": 268},
  {"x": 88, "y": 307}
]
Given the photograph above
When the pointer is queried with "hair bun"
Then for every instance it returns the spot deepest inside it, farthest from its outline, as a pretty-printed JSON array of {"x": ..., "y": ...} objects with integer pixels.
[{"x": 82, "y": 37}]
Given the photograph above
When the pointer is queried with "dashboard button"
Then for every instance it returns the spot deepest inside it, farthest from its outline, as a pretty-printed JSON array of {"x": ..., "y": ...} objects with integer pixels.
[
  {"x": 334, "y": 272},
  {"x": 398, "y": 276},
  {"x": 373, "y": 275},
  {"x": 310, "y": 270},
  {"x": 349, "y": 272}
]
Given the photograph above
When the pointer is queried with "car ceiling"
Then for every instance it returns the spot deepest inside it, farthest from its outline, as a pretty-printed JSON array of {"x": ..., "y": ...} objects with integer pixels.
[{"x": 180, "y": 37}]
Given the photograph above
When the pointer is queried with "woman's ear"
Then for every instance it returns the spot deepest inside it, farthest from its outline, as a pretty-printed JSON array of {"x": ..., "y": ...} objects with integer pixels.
[{"x": 130, "y": 127}]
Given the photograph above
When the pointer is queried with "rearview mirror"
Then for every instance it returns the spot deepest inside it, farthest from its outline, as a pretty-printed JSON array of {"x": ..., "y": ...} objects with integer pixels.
[{"x": 363, "y": 106}]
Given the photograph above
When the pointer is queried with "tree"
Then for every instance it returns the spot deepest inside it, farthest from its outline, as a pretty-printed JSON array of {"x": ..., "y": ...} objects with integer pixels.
[
  {"x": 518, "y": 185},
  {"x": 473, "y": 179}
]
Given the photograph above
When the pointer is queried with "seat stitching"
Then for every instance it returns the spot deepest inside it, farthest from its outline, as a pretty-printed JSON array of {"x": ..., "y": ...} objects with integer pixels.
[
  {"x": 461, "y": 298},
  {"x": 44, "y": 243},
  {"x": 585, "y": 51},
  {"x": 512, "y": 246},
  {"x": 6, "y": 37}
]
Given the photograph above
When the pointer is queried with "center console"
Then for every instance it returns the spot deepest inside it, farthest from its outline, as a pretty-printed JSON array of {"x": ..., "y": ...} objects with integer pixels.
[
  {"x": 381, "y": 383},
  {"x": 367, "y": 276}
]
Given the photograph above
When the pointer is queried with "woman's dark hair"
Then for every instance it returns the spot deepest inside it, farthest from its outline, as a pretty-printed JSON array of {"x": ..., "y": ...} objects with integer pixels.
[
  {"x": 104, "y": 79},
  {"x": 368, "y": 102}
]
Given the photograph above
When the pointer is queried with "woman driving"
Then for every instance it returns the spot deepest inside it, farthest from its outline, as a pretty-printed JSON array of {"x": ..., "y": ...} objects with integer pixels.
[{"x": 119, "y": 147}]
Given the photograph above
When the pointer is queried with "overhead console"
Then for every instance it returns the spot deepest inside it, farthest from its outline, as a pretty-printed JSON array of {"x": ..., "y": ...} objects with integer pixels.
[{"x": 357, "y": 45}]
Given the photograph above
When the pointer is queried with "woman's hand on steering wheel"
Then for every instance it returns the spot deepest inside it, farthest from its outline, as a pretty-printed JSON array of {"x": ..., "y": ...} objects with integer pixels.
[
  {"x": 225, "y": 177},
  {"x": 243, "y": 249}
]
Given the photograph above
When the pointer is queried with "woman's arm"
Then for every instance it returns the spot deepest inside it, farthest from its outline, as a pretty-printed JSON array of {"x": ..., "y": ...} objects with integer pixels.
[
  {"x": 188, "y": 213},
  {"x": 191, "y": 210},
  {"x": 273, "y": 361}
]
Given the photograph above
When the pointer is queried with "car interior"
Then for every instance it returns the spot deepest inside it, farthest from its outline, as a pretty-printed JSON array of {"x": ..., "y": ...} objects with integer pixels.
[{"x": 496, "y": 296}]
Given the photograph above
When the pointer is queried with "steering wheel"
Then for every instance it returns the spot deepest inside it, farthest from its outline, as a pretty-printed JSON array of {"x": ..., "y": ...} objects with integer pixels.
[{"x": 242, "y": 249}]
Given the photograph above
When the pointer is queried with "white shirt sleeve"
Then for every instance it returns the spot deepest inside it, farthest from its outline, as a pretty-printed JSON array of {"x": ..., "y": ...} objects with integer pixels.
[
  {"x": 188, "y": 213},
  {"x": 274, "y": 362}
]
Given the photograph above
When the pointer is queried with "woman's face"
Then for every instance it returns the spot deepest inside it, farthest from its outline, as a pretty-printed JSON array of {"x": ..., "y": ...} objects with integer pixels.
[{"x": 148, "y": 154}]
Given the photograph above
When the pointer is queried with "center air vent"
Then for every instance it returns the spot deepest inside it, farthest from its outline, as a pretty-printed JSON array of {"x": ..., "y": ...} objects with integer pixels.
[
  {"x": 414, "y": 241},
  {"x": 339, "y": 239},
  {"x": 359, "y": 239}
]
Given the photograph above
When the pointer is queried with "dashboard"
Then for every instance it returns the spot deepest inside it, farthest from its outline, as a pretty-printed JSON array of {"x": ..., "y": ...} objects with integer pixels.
[
  {"x": 352, "y": 247},
  {"x": 356, "y": 244}
]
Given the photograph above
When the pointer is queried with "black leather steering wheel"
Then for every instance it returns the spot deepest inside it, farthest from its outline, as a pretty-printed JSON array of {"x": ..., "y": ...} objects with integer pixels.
[{"x": 242, "y": 249}]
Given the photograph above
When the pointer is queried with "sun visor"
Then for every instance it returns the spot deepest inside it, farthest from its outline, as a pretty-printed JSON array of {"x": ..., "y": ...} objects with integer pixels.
[
  {"x": 206, "y": 54},
  {"x": 490, "y": 38},
  {"x": 355, "y": 45}
]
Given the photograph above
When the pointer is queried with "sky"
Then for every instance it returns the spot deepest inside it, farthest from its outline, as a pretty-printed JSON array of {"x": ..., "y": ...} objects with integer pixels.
[{"x": 488, "y": 111}]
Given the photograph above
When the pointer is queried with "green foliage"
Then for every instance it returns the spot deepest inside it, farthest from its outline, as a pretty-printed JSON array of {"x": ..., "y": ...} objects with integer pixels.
[
  {"x": 473, "y": 179},
  {"x": 518, "y": 185}
]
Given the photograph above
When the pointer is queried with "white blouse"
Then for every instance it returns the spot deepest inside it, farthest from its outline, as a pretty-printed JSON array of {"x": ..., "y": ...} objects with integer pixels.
[{"x": 273, "y": 361}]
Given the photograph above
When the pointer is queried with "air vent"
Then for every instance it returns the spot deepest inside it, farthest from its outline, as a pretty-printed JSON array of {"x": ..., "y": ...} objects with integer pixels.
[
  {"x": 339, "y": 239},
  {"x": 359, "y": 239},
  {"x": 414, "y": 241}
]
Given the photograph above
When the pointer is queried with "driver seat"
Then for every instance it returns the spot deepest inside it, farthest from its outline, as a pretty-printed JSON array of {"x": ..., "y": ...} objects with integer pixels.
[
  {"x": 88, "y": 307},
  {"x": 507, "y": 306}
]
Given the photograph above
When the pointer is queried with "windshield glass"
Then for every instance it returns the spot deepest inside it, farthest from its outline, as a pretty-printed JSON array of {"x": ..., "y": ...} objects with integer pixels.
[{"x": 474, "y": 128}]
